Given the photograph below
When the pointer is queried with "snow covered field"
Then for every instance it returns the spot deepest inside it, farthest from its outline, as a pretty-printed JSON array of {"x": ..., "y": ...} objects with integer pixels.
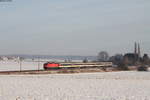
[
  {"x": 25, "y": 65},
  {"x": 84, "y": 86}
]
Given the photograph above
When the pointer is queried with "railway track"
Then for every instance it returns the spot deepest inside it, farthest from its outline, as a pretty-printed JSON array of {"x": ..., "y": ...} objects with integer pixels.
[{"x": 60, "y": 70}]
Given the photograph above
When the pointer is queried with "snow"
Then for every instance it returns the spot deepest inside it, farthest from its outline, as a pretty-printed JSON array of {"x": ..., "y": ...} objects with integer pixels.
[
  {"x": 27, "y": 64},
  {"x": 15, "y": 65},
  {"x": 131, "y": 85}
]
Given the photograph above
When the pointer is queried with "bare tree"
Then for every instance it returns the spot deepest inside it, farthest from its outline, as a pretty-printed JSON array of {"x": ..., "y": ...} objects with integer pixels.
[
  {"x": 85, "y": 60},
  {"x": 116, "y": 59},
  {"x": 21, "y": 58},
  {"x": 146, "y": 59},
  {"x": 20, "y": 62},
  {"x": 103, "y": 56}
]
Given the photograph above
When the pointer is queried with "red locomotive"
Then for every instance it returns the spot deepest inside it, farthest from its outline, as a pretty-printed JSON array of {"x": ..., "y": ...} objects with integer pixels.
[{"x": 51, "y": 65}]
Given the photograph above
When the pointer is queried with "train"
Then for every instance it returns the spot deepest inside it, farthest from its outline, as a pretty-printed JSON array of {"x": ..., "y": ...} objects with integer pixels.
[{"x": 56, "y": 65}]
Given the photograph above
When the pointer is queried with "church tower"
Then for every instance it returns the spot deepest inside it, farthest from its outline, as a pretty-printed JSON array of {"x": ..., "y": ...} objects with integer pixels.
[
  {"x": 139, "y": 51},
  {"x": 135, "y": 48}
]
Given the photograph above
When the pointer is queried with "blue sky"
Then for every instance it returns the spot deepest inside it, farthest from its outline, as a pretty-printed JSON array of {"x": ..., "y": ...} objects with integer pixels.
[{"x": 74, "y": 27}]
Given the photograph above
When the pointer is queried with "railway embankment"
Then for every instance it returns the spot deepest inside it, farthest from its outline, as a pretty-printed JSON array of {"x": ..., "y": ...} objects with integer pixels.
[{"x": 65, "y": 71}]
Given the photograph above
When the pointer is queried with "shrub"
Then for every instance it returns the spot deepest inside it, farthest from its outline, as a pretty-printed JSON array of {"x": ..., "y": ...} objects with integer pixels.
[
  {"x": 122, "y": 66},
  {"x": 142, "y": 68}
]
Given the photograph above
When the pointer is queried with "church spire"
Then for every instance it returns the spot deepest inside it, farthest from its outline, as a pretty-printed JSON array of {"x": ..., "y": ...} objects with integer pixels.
[
  {"x": 135, "y": 48},
  {"x": 139, "y": 51}
]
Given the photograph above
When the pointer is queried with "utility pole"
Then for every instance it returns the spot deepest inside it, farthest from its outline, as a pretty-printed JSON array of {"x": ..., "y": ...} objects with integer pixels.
[
  {"x": 20, "y": 63},
  {"x": 38, "y": 64}
]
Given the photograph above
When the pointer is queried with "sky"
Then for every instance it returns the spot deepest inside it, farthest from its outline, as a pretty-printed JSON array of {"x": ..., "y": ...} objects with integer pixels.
[{"x": 74, "y": 27}]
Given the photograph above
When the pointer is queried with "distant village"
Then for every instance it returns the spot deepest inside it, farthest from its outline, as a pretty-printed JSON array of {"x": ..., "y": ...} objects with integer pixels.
[
  {"x": 127, "y": 60},
  {"x": 134, "y": 58}
]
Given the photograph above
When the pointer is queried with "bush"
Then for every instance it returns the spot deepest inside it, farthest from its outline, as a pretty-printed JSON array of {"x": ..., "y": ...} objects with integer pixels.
[
  {"x": 142, "y": 68},
  {"x": 122, "y": 66}
]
